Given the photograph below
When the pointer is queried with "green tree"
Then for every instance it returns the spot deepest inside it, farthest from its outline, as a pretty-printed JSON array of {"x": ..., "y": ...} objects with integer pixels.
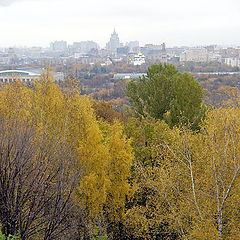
[
  {"x": 10, "y": 237},
  {"x": 167, "y": 94}
]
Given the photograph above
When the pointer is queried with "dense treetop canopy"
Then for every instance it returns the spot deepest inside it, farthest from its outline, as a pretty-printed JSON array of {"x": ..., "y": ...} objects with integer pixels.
[{"x": 167, "y": 94}]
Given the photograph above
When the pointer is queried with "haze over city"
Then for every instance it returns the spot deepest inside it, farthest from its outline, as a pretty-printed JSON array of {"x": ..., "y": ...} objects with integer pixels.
[{"x": 186, "y": 22}]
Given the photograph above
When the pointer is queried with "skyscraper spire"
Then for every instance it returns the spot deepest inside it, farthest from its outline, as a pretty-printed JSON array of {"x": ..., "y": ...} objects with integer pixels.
[{"x": 114, "y": 42}]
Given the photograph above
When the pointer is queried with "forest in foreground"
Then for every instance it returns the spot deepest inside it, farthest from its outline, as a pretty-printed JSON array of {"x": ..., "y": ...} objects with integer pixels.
[{"x": 71, "y": 167}]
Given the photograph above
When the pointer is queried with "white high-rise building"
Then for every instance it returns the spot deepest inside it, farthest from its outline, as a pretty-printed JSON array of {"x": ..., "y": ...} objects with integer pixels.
[{"x": 113, "y": 43}]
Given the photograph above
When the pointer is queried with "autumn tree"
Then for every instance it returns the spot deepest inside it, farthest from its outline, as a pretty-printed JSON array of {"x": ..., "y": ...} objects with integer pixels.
[
  {"x": 196, "y": 178},
  {"x": 73, "y": 119},
  {"x": 35, "y": 198},
  {"x": 105, "y": 110},
  {"x": 120, "y": 189},
  {"x": 66, "y": 140},
  {"x": 146, "y": 213}
]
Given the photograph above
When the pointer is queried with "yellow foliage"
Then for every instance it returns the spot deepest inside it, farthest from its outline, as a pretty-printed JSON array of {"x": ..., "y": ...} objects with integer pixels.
[
  {"x": 200, "y": 180},
  {"x": 119, "y": 171},
  {"x": 15, "y": 101},
  {"x": 103, "y": 154}
]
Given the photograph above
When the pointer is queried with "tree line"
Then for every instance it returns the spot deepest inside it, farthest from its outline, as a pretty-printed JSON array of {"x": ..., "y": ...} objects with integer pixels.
[{"x": 168, "y": 167}]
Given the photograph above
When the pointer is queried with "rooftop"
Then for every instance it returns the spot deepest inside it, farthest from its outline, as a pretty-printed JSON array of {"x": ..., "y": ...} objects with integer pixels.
[{"x": 19, "y": 73}]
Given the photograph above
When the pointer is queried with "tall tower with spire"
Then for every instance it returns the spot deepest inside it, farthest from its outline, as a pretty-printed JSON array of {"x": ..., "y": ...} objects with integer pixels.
[
  {"x": 164, "y": 54},
  {"x": 113, "y": 43}
]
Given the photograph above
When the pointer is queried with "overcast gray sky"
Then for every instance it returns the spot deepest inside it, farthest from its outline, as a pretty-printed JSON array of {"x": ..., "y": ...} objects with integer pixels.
[{"x": 176, "y": 22}]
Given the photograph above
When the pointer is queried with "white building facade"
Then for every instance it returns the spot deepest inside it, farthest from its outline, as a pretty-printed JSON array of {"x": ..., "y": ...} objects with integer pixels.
[
  {"x": 199, "y": 55},
  {"x": 138, "y": 59},
  {"x": 232, "y": 61}
]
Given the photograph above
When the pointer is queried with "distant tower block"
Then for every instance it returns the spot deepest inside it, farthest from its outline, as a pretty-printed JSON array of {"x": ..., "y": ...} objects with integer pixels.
[
  {"x": 164, "y": 53},
  {"x": 114, "y": 42},
  {"x": 12, "y": 57}
]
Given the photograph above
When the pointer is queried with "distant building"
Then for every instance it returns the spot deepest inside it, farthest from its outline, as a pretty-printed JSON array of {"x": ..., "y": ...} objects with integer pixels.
[
  {"x": 107, "y": 62},
  {"x": 12, "y": 57},
  {"x": 138, "y": 59},
  {"x": 110, "y": 60},
  {"x": 214, "y": 57},
  {"x": 58, "y": 46},
  {"x": 34, "y": 52},
  {"x": 85, "y": 47},
  {"x": 232, "y": 61},
  {"x": 113, "y": 43},
  {"x": 175, "y": 51},
  {"x": 199, "y": 55},
  {"x": 230, "y": 52},
  {"x": 118, "y": 76},
  {"x": 194, "y": 55},
  {"x": 26, "y": 75},
  {"x": 151, "y": 49},
  {"x": 164, "y": 54},
  {"x": 79, "y": 55},
  {"x": 122, "y": 50},
  {"x": 13, "y": 75},
  {"x": 173, "y": 59},
  {"x": 4, "y": 60},
  {"x": 86, "y": 58},
  {"x": 155, "y": 53},
  {"x": 133, "y": 46},
  {"x": 211, "y": 48}
]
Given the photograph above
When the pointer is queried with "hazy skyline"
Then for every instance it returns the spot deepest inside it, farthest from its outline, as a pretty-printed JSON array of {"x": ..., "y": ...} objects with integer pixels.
[{"x": 185, "y": 22}]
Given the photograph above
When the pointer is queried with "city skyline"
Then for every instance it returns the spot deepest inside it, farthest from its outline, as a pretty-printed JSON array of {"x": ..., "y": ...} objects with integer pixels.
[{"x": 178, "y": 23}]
